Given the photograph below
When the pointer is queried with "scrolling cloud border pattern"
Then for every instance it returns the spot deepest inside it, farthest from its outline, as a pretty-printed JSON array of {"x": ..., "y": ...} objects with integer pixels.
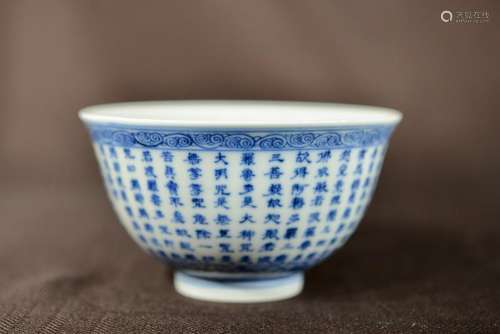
[{"x": 187, "y": 139}]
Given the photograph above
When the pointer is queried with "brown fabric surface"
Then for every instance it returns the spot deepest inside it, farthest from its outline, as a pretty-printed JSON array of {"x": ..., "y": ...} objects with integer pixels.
[{"x": 425, "y": 259}]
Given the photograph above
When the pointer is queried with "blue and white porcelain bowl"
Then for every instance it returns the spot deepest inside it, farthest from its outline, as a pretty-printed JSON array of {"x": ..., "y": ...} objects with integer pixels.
[{"x": 239, "y": 197}]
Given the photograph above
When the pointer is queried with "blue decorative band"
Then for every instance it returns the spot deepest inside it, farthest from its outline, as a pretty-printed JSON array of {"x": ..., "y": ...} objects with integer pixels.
[{"x": 227, "y": 140}]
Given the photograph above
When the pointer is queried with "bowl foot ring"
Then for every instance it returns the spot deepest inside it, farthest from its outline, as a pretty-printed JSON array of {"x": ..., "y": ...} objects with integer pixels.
[{"x": 239, "y": 290}]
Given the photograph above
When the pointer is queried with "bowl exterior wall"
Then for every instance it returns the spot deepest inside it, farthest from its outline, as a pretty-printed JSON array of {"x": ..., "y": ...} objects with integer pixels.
[{"x": 240, "y": 200}]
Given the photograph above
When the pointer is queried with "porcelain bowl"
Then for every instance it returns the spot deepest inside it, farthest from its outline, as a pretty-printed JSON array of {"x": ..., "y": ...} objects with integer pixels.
[{"x": 240, "y": 197}]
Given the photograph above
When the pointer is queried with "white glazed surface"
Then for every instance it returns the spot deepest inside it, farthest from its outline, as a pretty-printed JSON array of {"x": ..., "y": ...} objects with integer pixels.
[{"x": 239, "y": 114}]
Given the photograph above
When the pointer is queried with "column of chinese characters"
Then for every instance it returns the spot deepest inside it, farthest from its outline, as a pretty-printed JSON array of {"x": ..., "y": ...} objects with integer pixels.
[
  {"x": 131, "y": 168},
  {"x": 198, "y": 205},
  {"x": 301, "y": 171},
  {"x": 273, "y": 199},
  {"x": 193, "y": 160},
  {"x": 222, "y": 193},
  {"x": 320, "y": 189},
  {"x": 356, "y": 183},
  {"x": 247, "y": 234},
  {"x": 339, "y": 189}
]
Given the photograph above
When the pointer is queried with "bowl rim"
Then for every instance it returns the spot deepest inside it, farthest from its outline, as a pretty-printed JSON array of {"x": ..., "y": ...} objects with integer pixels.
[{"x": 239, "y": 114}]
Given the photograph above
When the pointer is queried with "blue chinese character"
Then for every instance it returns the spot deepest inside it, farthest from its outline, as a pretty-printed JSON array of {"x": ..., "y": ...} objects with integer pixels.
[
  {"x": 199, "y": 219},
  {"x": 178, "y": 218},
  {"x": 324, "y": 156},
  {"x": 186, "y": 246},
  {"x": 196, "y": 189},
  {"x": 297, "y": 202},
  {"x": 143, "y": 213},
  {"x": 146, "y": 155},
  {"x": 245, "y": 259},
  {"x": 362, "y": 154},
  {"x": 149, "y": 171},
  {"x": 129, "y": 211},
  {"x": 366, "y": 184},
  {"x": 112, "y": 152},
  {"x": 280, "y": 259},
  {"x": 335, "y": 200},
  {"x": 346, "y": 155},
  {"x": 246, "y": 247},
  {"x": 267, "y": 247},
  {"x": 224, "y": 233},
  {"x": 320, "y": 187},
  {"x": 182, "y": 232},
  {"x": 274, "y": 173},
  {"x": 294, "y": 218},
  {"x": 193, "y": 158},
  {"x": 298, "y": 189},
  {"x": 274, "y": 203},
  {"x": 220, "y": 173},
  {"x": 247, "y": 234},
  {"x": 339, "y": 186},
  {"x": 164, "y": 229},
  {"x": 347, "y": 213},
  {"x": 221, "y": 190},
  {"x": 169, "y": 172},
  {"x": 176, "y": 201},
  {"x": 194, "y": 173},
  {"x": 221, "y": 202},
  {"x": 247, "y": 202},
  {"x": 128, "y": 154},
  {"x": 152, "y": 185},
  {"x": 247, "y": 188},
  {"x": 303, "y": 157},
  {"x": 222, "y": 219},
  {"x": 119, "y": 180},
  {"x": 272, "y": 218},
  {"x": 291, "y": 233},
  {"x": 340, "y": 228},
  {"x": 313, "y": 217},
  {"x": 139, "y": 198},
  {"x": 276, "y": 157},
  {"x": 135, "y": 184},
  {"x": 225, "y": 248},
  {"x": 322, "y": 172},
  {"x": 355, "y": 184},
  {"x": 198, "y": 202},
  {"x": 274, "y": 189},
  {"x": 155, "y": 199},
  {"x": 359, "y": 169},
  {"x": 318, "y": 200},
  {"x": 247, "y": 174},
  {"x": 300, "y": 172},
  {"x": 310, "y": 232},
  {"x": 247, "y": 159},
  {"x": 271, "y": 233},
  {"x": 131, "y": 168},
  {"x": 332, "y": 214},
  {"x": 116, "y": 167},
  {"x": 167, "y": 156},
  {"x": 202, "y": 234},
  {"x": 247, "y": 218}
]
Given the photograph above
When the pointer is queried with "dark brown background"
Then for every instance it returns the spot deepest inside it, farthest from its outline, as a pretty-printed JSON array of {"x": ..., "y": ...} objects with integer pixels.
[{"x": 426, "y": 258}]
